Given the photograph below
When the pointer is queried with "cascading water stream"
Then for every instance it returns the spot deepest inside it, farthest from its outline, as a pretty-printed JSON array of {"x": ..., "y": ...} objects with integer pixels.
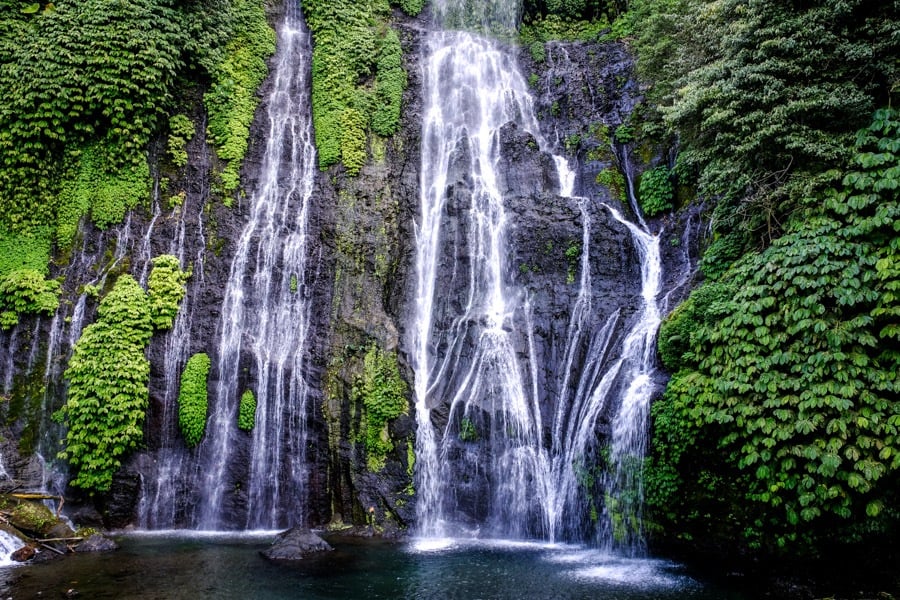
[
  {"x": 265, "y": 315},
  {"x": 162, "y": 481},
  {"x": 472, "y": 89},
  {"x": 473, "y": 352}
]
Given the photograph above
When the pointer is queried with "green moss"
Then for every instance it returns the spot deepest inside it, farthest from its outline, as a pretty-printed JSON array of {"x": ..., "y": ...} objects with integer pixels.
[
  {"x": 193, "y": 399},
  {"x": 390, "y": 81},
  {"x": 383, "y": 393},
  {"x": 247, "y": 411},
  {"x": 166, "y": 289},
  {"x": 95, "y": 186},
  {"x": 613, "y": 179}
]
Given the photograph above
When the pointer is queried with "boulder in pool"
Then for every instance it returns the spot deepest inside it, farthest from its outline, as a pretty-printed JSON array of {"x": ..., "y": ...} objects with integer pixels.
[{"x": 295, "y": 544}]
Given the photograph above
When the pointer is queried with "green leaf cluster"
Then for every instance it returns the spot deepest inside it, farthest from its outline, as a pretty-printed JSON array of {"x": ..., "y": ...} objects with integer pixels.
[
  {"x": 166, "y": 289},
  {"x": 655, "y": 191},
  {"x": 108, "y": 374},
  {"x": 84, "y": 71},
  {"x": 384, "y": 394},
  {"x": 87, "y": 84},
  {"x": 108, "y": 395},
  {"x": 193, "y": 399},
  {"x": 93, "y": 185},
  {"x": 357, "y": 78},
  {"x": 181, "y": 130},
  {"x": 23, "y": 266},
  {"x": 236, "y": 73},
  {"x": 26, "y": 291},
  {"x": 247, "y": 411},
  {"x": 787, "y": 388},
  {"x": 765, "y": 95}
]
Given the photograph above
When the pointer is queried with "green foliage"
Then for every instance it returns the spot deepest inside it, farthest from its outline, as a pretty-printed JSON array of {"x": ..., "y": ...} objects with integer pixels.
[
  {"x": 26, "y": 291},
  {"x": 411, "y": 7},
  {"x": 765, "y": 95},
  {"x": 679, "y": 332},
  {"x": 193, "y": 399},
  {"x": 655, "y": 191},
  {"x": 95, "y": 185},
  {"x": 181, "y": 130},
  {"x": 613, "y": 179},
  {"x": 23, "y": 265},
  {"x": 467, "y": 431},
  {"x": 789, "y": 381},
  {"x": 108, "y": 395},
  {"x": 357, "y": 78},
  {"x": 384, "y": 395},
  {"x": 722, "y": 253},
  {"x": 166, "y": 289},
  {"x": 540, "y": 30},
  {"x": 390, "y": 81},
  {"x": 538, "y": 52},
  {"x": 236, "y": 74},
  {"x": 247, "y": 411},
  {"x": 88, "y": 70}
]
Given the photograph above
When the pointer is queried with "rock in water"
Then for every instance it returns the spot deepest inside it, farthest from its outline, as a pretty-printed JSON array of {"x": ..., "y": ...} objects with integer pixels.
[
  {"x": 97, "y": 543},
  {"x": 22, "y": 554},
  {"x": 295, "y": 544}
]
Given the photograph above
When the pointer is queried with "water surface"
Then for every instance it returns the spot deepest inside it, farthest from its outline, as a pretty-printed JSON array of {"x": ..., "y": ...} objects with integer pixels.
[{"x": 169, "y": 566}]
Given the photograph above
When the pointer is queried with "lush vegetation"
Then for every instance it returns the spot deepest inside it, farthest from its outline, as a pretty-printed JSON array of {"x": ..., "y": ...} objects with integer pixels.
[
  {"x": 247, "y": 411},
  {"x": 384, "y": 395},
  {"x": 779, "y": 428},
  {"x": 108, "y": 397},
  {"x": 108, "y": 374},
  {"x": 193, "y": 399},
  {"x": 85, "y": 87},
  {"x": 787, "y": 386},
  {"x": 357, "y": 77},
  {"x": 655, "y": 191},
  {"x": 765, "y": 96},
  {"x": 236, "y": 74},
  {"x": 26, "y": 291},
  {"x": 165, "y": 288}
]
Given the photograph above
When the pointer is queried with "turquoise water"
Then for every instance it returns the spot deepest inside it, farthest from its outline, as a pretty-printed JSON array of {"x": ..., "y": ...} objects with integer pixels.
[{"x": 167, "y": 566}]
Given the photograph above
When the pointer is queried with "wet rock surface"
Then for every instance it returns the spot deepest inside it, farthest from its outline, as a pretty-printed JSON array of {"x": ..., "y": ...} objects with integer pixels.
[{"x": 295, "y": 544}]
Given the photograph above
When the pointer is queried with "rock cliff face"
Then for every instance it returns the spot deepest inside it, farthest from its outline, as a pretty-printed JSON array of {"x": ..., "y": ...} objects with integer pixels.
[{"x": 362, "y": 291}]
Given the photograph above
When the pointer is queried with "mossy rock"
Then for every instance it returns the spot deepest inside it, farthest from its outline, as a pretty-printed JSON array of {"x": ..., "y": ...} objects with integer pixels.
[{"x": 36, "y": 520}]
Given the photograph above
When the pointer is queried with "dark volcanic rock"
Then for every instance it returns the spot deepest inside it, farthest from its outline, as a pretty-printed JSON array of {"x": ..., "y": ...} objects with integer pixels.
[
  {"x": 97, "y": 543},
  {"x": 295, "y": 544}
]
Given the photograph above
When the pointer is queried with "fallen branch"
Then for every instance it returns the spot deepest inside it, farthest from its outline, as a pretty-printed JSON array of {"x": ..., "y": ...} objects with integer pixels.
[
  {"x": 60, "y": 552},
  {"x": 62, "y": 539}
]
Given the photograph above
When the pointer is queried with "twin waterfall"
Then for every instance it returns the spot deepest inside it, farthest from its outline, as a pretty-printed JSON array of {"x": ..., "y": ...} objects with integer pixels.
[
  {"x": 531, "y": 395},
  {"x": 509, "y": 461}
]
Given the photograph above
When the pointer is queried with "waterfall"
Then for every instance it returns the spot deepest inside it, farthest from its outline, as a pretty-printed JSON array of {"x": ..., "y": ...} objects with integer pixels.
[
  {"x": 472, "y": 89},
  {"x": 163, "y": 479},
  {"x": 497, "y": 454},
  {"x": 265, "y": 320}
]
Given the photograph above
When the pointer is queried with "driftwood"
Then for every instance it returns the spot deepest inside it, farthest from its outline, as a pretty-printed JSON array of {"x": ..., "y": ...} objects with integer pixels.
[
  {"x": 41, "y": 496},
  {"x": 62, "y": 539},
  {"x": 48, "y": 547}
]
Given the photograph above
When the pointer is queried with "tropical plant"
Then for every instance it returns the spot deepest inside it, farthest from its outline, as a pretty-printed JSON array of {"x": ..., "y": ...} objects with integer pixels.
[
  {"x": 193, "y": 399},
  {"x": 107, "y": 397}
]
